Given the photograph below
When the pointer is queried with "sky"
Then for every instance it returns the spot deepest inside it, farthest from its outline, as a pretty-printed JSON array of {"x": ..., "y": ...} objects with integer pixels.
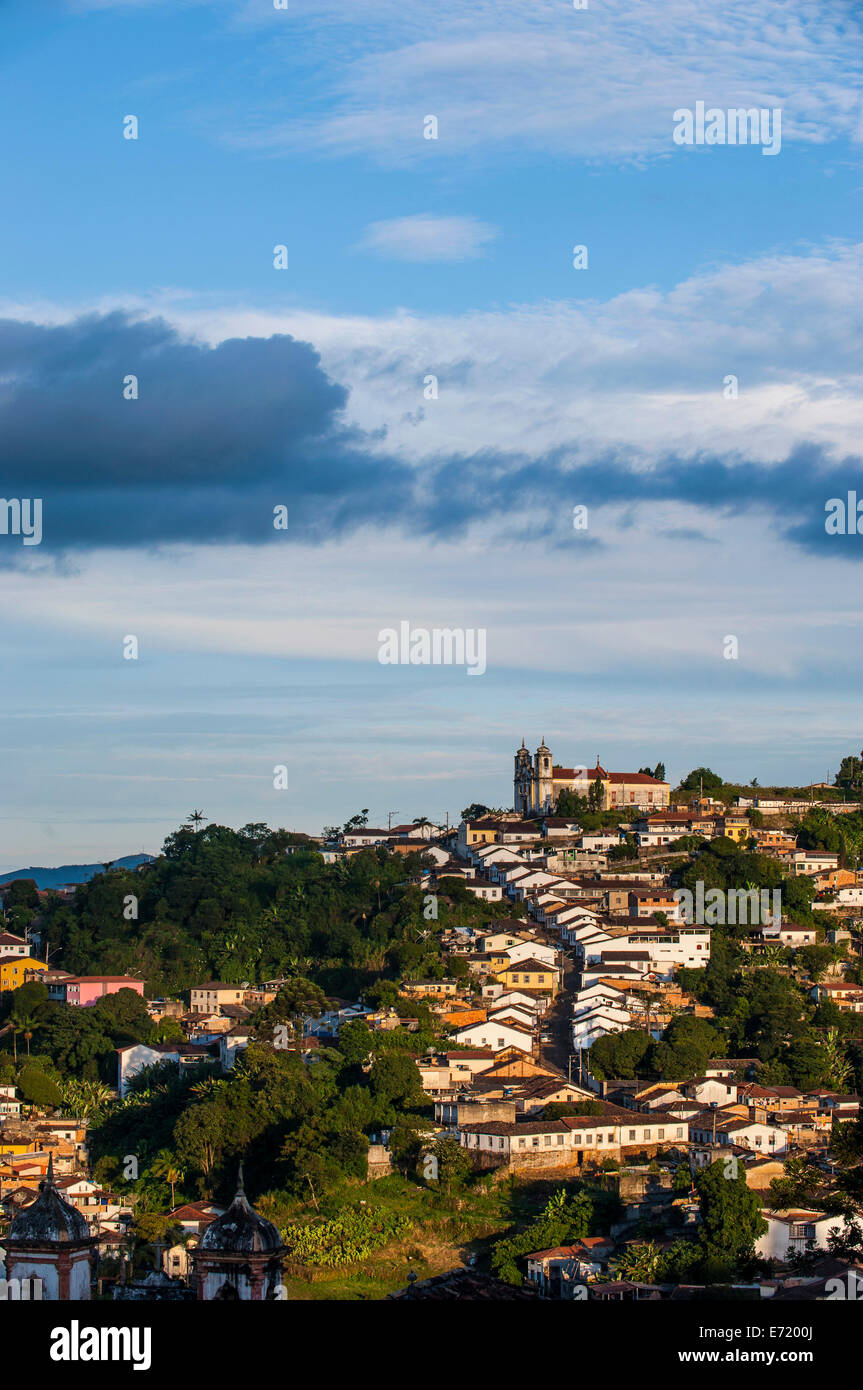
[{"x": 429, "y": 377}]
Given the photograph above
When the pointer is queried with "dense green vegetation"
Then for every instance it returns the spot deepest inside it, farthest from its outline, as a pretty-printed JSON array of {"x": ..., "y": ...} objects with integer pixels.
[{"x": 724, "y": 1248}]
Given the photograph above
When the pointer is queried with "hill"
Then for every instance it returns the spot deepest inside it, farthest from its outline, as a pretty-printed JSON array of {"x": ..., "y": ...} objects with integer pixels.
[{"x": 74, "y": 873}]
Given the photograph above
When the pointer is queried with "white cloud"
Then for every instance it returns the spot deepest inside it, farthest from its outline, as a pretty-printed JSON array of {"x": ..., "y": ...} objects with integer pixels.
[
  {"x": 596, "y": 84},
  {"x": 426, "y": 237},
  {"x": 643, "y": 370}
]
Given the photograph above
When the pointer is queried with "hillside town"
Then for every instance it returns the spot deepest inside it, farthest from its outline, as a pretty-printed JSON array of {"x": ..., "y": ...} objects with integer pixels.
[{"x": 542, "y": 996}]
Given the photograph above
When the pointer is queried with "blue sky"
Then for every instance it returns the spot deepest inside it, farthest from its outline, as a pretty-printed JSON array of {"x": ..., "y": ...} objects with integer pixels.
[{"x": 305, "y": 387}]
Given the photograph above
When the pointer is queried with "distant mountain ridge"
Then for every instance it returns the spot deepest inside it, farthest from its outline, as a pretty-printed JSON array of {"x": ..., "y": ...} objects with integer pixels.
[{"x": 74, "y": 873}]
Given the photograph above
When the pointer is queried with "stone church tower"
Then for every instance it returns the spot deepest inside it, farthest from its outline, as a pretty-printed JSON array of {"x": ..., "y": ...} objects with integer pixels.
[
  {"x": 533, "y": 789},
  {"x": 522, "y": 798},
  {"x": 542, "y": 778},
  {"x": 240, "y": 1255},
  {"x": 50, "y": 1240}
]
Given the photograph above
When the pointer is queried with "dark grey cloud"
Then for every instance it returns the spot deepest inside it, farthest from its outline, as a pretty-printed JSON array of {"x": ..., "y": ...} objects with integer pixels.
[
  {"x": 217, "y": 437},
  {"x": 220, "y": 435},
  {"x": 791, "y": 495}
]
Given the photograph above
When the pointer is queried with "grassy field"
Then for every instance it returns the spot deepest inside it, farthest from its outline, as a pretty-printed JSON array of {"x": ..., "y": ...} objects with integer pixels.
[{"x": 445, "y": 1232}]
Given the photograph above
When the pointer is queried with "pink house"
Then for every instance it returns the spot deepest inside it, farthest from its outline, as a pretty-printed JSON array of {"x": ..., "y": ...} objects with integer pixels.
[{"x": 86, "y": 989}]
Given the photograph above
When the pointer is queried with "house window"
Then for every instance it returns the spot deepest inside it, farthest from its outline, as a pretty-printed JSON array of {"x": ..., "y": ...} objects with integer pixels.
[
  {"x": 680, "y": 1133},
  {"x": 632, "y": 1134},
  {"x": 560, "y": 1139},
  {"x": 521, "y": 1143},
  {"x": 588, "y": 1138},
  {"x": 660, "y": 1134},
  {"x": 647, "y": 1134},
  {"x": 546, "y": 1139}
]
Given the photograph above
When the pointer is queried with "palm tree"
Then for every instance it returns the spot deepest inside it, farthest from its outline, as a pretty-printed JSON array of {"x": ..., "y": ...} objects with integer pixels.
[
  {"x": 196, "y": 819},
  {"x": 165, "y": 1166},
  {"x": 84, "y": 1098},
  {"x": 839, "y": 1067},
  {"x": 208, "y": 1088}
]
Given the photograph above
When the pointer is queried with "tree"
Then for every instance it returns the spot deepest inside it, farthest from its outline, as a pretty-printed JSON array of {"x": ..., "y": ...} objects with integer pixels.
[
  {"x": 453, "y": 1161},
  {"x": 406, "y": 1142},
  {"x": 88, "y": 1099},
  {"x": 37, "y": 1088},
  {"x": 356, "y": 1041},
  {"x": 125, "y": 1016},
  {"x": 475, "y": 811},
  {"x": 199, "y": 1136},
  {"x": 196, "y": 820},
  {"x": 639, "y": 1263},
  {"x": 166, "y": 1168},
  {"x": 802, "y": 1184},
  {"x": 296, "y": 1001},
  {"x": 29, "y": 999},
  {"x": 658, "y": 772},
  {"x": 686, "y": 1045},
  {"x": 570, "y": 804},
  {"x": 850, "y": 774},
  {"x": 567, "y": 1216},
  {"x": 167, "y": 1030},
  {"x": 731, "y": 1219},
  {"x": 22, "y": 892},
  {"x": 595, "y": 795},
  {"x": 395, "y": 1081},
  {"x": 701, "y": 777},
  {"x": 558, "y": 1109},
  {"x": 620, "y": 1054},
  {"x": 838, "y": 1068},
  {"x": 358, "y": 821}
]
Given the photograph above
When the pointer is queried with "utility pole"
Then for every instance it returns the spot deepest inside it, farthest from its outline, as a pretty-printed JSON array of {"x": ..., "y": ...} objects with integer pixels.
[{"x": 390, "y": 815}]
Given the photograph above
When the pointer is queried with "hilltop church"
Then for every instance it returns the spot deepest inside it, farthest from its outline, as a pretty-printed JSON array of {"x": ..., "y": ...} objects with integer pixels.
[{"x": 537, "y": 783}]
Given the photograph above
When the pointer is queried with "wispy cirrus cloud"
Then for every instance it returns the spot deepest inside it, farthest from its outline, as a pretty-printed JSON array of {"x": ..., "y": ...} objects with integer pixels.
[
  {"x": 427, "y": 237},
  {"x": 597, "y": 84}
]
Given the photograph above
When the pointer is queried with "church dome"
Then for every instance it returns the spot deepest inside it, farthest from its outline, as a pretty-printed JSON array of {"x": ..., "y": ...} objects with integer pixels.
[
  {"x": 240, "y": 1230},
  {"x": 49, "y": 1219}
]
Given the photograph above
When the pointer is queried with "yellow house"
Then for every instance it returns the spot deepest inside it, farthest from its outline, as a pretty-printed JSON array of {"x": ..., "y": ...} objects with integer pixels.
[
  {"x": 480, "y": 832},
  {"x": 529, "y": 974},
  {"x": 13, "y": 968}
]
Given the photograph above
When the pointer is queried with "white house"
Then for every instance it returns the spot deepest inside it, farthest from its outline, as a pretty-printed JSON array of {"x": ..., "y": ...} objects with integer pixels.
[
  {"x": 710, "y": 1090},
  {"x": 532, "y": 950},
  {"x": 812, "y": 861},
  {"x": 500, "y": 940},
  {"x": 481, "y": 888},
  {"x": 132, "y": 1059},
  {"x": 601, "y": 840},
  {"x": 746, "y": 1134},
  {"x": 495, "y": 1036},
  {"x": 512, "y": 1013},
  {"x": 598, "y": 1024},
  {"x": 794, "y": 1232},
  {"x": 13, "y": 945},
  {"x": 103, "y": 1210},
  {"x": 363, "y": 837}
]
